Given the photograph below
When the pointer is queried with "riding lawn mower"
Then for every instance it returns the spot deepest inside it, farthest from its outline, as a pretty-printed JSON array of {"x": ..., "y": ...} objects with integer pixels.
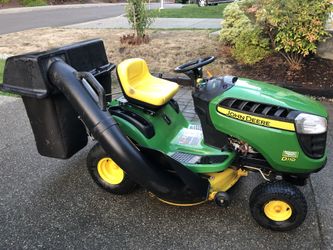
[{"x": 142, "y": 138}]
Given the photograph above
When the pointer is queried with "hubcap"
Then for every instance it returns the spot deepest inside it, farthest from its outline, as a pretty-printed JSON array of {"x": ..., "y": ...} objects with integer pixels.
[
  {"x": 202, "y": 3},
  {"x": 109, "y": 171},
  {"x": 277, "y": 210}
]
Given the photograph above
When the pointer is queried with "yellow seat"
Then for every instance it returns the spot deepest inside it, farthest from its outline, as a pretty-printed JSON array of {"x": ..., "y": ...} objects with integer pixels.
[{"x": 138, "y": 84}]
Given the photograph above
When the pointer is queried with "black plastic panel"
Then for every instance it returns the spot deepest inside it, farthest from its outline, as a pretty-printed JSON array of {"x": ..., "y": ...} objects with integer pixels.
[
  {"x": 201, "y": 99},
  {"x": 58, "y": 133},
  {"x": 26, "y": 75},
  {"x": 313, "y": 146},
  {"x": 144, "y": 126}
]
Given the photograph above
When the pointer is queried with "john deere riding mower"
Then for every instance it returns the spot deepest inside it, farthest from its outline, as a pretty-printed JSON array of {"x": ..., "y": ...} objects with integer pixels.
[{"x": 142, "y": 139}]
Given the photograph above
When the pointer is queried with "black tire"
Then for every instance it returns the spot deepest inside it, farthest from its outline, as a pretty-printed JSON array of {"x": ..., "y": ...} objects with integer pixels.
[
  {"x": 293, "y": 209},
  {"x": 222, "y": 199},
  {"x": 96, "y": 154}
]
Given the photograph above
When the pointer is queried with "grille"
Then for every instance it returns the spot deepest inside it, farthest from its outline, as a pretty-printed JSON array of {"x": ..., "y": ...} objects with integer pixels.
[
  {"x": 313, "y": 145},
  {"x": 257, "y": 108}
]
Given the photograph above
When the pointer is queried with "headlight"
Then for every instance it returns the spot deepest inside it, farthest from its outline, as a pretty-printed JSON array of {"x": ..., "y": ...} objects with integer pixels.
[{"x": 310, "y": 124}]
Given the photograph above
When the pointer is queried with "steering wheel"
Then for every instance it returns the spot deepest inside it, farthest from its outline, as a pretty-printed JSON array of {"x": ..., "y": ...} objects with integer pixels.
[{"x": 195, "y": 64}]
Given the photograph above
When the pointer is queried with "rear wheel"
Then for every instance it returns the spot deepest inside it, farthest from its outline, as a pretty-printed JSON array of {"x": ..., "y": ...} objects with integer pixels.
[
  {"x": 107, "y": 174},
  {"x": 278, "y": 205},
  {"x": 202, "y": 3}
]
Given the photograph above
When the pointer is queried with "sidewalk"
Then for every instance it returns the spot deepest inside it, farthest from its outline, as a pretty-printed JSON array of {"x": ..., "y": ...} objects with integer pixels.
[{"x": 159, "y": 23}]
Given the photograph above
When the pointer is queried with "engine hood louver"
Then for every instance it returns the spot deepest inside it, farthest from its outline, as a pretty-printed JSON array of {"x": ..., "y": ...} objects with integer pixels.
[{"x": 259, "y": 109}]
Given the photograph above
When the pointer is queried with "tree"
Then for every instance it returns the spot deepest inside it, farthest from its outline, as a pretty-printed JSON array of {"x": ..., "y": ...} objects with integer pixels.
[{"x": 139, "y": 19}]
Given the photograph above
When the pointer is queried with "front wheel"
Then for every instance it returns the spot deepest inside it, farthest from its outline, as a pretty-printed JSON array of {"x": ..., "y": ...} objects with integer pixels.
[
  {"x": 202, "y": 3},
  {"x": 278, "y": 206},
  {"x": 107, "y": 174}
]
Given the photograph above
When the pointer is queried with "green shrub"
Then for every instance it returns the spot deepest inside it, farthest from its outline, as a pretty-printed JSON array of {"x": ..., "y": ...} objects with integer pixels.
[
  {"x": 137, "y": 15},
  {"x": 294, "y": 27},
  {"x": 233, "y": 23},
  {"x": 248, "y": 41},
  {"x": 32, "y": 3},
  {"x": 250, "y": 46}
]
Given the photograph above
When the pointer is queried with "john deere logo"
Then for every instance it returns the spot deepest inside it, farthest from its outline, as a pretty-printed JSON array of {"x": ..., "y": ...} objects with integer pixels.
[
  {"x": 248, "y": 118},
  {"x": 260, "y": 121},
  {"x": 289, "y": 155}
]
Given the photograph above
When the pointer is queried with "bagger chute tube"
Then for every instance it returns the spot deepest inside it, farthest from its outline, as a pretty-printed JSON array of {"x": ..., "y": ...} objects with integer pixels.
[{"x": 142, "y": 138}]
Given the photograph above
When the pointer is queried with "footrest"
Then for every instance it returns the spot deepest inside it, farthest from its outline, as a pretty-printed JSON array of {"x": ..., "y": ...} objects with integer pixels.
[{"x": 186, "y": 158}]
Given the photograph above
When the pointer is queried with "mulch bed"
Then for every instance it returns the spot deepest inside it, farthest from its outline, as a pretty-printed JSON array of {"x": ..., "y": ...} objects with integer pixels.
[
  {"x": 316, "y": 72},
  {"x": 315, "y": 77}
]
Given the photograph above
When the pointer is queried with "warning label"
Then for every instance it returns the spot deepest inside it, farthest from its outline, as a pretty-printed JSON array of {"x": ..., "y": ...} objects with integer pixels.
[{"x": 191, "y": 137}]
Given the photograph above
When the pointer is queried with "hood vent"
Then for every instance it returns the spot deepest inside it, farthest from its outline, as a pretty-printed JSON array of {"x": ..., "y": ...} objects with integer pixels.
[{"x": 257, "y": 108}]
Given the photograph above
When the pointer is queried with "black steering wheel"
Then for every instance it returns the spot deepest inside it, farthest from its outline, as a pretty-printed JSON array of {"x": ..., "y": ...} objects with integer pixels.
[
  {"x": 193, "y": 69},
  {"x": 195, "y": 64}
]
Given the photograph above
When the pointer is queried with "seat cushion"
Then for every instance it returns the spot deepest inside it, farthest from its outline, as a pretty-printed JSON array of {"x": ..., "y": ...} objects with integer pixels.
[{"x": 137, "y": 83}]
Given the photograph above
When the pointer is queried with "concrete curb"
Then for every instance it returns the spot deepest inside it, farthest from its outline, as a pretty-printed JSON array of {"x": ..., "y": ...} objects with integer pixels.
[{"x": 121, "y": 22}]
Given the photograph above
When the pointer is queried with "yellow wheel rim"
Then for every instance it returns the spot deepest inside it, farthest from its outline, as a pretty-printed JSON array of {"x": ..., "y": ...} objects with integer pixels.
[
  {"x": 109, "y": 171},
  {"x": 278, "y": 210}
]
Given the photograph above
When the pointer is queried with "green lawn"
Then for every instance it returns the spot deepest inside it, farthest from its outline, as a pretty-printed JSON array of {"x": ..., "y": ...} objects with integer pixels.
[
  {"x": 191, "y": 11},
  {"x": 2, "y": 65},
  {"x": 33, "y": 3}
]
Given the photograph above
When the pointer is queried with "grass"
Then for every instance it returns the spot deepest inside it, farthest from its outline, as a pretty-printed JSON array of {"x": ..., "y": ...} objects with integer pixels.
[
  {"x": 191, "y": 11},
  {"x": 2, "y": 65},
  {"x": 33, "y": 3}
]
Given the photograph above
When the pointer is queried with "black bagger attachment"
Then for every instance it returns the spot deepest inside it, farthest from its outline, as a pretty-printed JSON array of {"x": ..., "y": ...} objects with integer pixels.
[
  {"x": 58, "y": 131},
  {"x": 62, "y": 85}
]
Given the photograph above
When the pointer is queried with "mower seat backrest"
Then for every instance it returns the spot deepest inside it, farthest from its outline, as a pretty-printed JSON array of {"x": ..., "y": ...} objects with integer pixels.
[{"x": 140, "y": 87}]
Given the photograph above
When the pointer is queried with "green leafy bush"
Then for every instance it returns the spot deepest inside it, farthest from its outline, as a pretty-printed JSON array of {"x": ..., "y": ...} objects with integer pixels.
[
  {"x": 250, "y": 46},
  {"x": 233, "y": 24},
  {"x": 137, "y": 15},
  {"x": 248, "y": 41},
  {"x": 293, "y": 27}
]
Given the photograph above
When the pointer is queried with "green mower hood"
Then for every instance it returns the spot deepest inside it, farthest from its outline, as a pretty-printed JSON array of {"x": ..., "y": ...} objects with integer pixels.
[{"x": 257, "y": 91}]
